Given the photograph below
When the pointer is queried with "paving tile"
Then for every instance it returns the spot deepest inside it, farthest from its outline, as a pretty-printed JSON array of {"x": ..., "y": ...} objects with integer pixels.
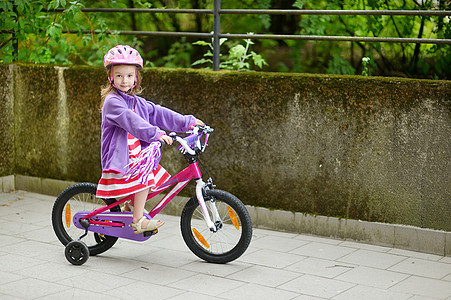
[
  {"x": 44, "y": 234},
  {"x": 166, "y": 257},
  {"x": 140, "y": 290},
  {"x": 265, "y": 232},
  {"x": 6, "y": 240},
  {"x": 372, "y": 277},
  {"x": 270, "y": 258},
  {"x": 421, "y": 267},
  {"x": 132, "y": 250},
  {"x": 6, "y": 277},
  {"x": 77, "y": 294},
  {"x": 30, "y": 217},
  {"x": 253, "y": 291},
  {"x": 54, "y": 255},
  {"x": 17, "y": 228},
  {"x": 194, "y": 296},
  {"x": 446, "y": 259},
  {"x": 307, "y": 297},
  {"x": 372, "y": 259},
  {"x": 112, "y": 265},
  {"x": 31, "y": 248},
  {"x": 421, "y": 255},
  {"x": 277, "y": 265},
  {"x": 421, "y": 286},
  {"x": 19, "y": 202},
  {"x": 264, "y": 276},
  {"x": 221, "y": 270},
  {"x": 95, "y": 281},
  {"x": 5, "y": 201},
  {"x": 363, "y": 246},
  {"x": 320, "y": 267},
  {"x": 172, "y": 242},
  {"x": 7, "y": 210},
  {"x": 360, "y": 292},
  {"x": 318, "y": 239},
  {"x": 317, "y": 286},
  {"x": 277, "y": 243},
  {"x": 321, "y": 250},
  {"x": 206, "y": 284},
  {"x": 51, "y": 272},
  {"x": 166, "y": 275},
  {"x": 9, "y": 297},
  {"x": 416, "y": 297},
  {"x": 16, "y": 262},
  {"x": 30, "y": 288}
]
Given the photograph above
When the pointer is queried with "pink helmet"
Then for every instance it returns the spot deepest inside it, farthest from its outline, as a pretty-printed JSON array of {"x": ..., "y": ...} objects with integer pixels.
[{"x": 122, "y": 55}]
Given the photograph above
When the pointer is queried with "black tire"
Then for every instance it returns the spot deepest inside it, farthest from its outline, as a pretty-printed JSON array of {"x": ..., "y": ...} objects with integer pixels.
[
  {"x": 76, "y": 252},
  {"x": 230, "y": 241},
  {"x": 80, "y": 197}
]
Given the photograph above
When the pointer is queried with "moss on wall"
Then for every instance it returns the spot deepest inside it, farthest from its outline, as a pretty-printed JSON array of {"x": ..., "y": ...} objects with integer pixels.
[
  {"x": 6, "y": 121},
  {"x": 367, "y": 148},
  {"x": 35, "y": 113}
]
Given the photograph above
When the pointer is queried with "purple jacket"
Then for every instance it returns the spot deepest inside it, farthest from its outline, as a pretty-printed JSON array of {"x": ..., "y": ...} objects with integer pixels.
[{"x": 118, "y": 119}]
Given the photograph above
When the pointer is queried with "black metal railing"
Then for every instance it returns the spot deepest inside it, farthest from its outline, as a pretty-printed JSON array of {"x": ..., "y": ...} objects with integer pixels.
[{"x": 217, "y": 12}]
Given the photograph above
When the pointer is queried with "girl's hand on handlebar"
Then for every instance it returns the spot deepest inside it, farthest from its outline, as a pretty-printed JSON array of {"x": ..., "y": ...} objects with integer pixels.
[
  {"x": 166, "y": 139},
  {"x": 197, "y": 122}
]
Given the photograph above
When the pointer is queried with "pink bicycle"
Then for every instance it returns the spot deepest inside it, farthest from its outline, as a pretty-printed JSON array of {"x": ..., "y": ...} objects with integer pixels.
[{"x": 215, "y": 224}]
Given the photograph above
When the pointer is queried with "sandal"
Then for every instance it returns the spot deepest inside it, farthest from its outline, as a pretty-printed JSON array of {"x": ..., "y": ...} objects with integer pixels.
[
  {"x": 151, "y": 226},
  {"x": 130, "y": 207}
]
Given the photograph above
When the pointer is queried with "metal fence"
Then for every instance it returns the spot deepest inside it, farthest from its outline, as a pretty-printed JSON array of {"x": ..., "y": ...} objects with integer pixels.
[{"x": 216, "y": 34}]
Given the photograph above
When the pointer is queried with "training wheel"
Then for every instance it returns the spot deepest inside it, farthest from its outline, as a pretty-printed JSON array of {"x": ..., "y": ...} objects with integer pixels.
[{"x": 77, "y": 253}]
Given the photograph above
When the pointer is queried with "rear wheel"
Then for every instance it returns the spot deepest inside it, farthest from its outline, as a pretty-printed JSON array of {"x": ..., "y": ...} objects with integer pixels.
[
  {"x": 234, "y": 225},
  {"x": 80, "y": 197}
]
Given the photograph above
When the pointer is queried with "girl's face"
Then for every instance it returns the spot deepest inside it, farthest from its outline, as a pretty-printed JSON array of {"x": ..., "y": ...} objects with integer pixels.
[{"x": 124, "y": 77}]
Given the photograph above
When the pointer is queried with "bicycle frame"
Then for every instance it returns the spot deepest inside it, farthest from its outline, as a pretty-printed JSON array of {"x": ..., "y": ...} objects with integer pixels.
[{"x": 179, "y": 181}]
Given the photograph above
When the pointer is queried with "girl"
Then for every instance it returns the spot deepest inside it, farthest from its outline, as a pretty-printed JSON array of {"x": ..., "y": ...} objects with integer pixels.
[{"x": 131, "y": 136}]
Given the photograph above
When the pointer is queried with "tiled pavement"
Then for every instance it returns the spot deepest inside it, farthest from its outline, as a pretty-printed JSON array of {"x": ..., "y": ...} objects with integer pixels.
[{"x": 277, "y": 265}]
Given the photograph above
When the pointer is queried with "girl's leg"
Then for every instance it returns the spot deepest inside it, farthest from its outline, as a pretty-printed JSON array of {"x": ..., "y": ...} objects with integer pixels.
[
  {"x": 138, "y": 205},
  {"x": 138, "y": 209}
]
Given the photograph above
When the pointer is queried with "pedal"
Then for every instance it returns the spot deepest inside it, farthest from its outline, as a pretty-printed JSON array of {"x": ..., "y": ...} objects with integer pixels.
[{"x": 150, "y": 233}]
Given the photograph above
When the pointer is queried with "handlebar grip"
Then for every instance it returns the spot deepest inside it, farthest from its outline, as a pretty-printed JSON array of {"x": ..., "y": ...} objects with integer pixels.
[{"x": 185, "y": 146}]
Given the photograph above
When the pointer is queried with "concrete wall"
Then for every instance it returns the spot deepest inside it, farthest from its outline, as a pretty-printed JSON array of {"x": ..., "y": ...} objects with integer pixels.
[{"x": 375, "y": 149}]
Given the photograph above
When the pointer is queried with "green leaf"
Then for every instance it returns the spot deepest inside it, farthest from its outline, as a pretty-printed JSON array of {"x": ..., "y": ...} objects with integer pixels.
[
  {"x": 237, "y": 52},
  {"x": 299, "y": 4},
  {"x": 201, "y": 43},
  {"x": 201, "y": 61},
  {"x": 258, "y": 60}
]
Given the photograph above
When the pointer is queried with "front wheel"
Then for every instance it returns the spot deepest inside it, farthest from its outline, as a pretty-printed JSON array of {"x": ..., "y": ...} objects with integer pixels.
[{"x": 234, "y": 225}]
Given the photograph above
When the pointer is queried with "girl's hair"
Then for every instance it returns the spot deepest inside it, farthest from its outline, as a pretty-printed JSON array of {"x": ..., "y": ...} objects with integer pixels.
[{"x": 108, "y": 87}]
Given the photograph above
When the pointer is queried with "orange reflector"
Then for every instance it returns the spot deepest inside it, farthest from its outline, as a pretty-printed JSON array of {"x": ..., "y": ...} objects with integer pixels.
[
  {"x": 233, "y": 217},
  {"x": 200, "y": 238},
  {"x": 68, "y": 215}
]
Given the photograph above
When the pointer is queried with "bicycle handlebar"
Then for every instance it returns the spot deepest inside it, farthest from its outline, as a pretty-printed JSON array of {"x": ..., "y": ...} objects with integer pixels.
[
  {"x": 195, "y": 134},
  {"x": 185, "y": 145}
]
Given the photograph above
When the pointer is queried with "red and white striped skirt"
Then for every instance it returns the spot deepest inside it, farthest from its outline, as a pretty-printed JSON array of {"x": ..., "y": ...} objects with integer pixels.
[{"x": 114, "y": 184}]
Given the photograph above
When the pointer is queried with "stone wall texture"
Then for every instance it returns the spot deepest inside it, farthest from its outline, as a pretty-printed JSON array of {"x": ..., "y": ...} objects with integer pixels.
[{"x": 368, "y": 148}]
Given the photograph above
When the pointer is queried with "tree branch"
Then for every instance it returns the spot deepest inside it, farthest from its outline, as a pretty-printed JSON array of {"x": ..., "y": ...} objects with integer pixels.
[
  {"x": 416, "y": 52},
  {"x": 399, "y": 34},
  {"x": 131, "y": 4}
]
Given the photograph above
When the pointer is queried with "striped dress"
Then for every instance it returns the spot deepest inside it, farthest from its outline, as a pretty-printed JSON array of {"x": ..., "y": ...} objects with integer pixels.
[{"x": 114, "y": 184}]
